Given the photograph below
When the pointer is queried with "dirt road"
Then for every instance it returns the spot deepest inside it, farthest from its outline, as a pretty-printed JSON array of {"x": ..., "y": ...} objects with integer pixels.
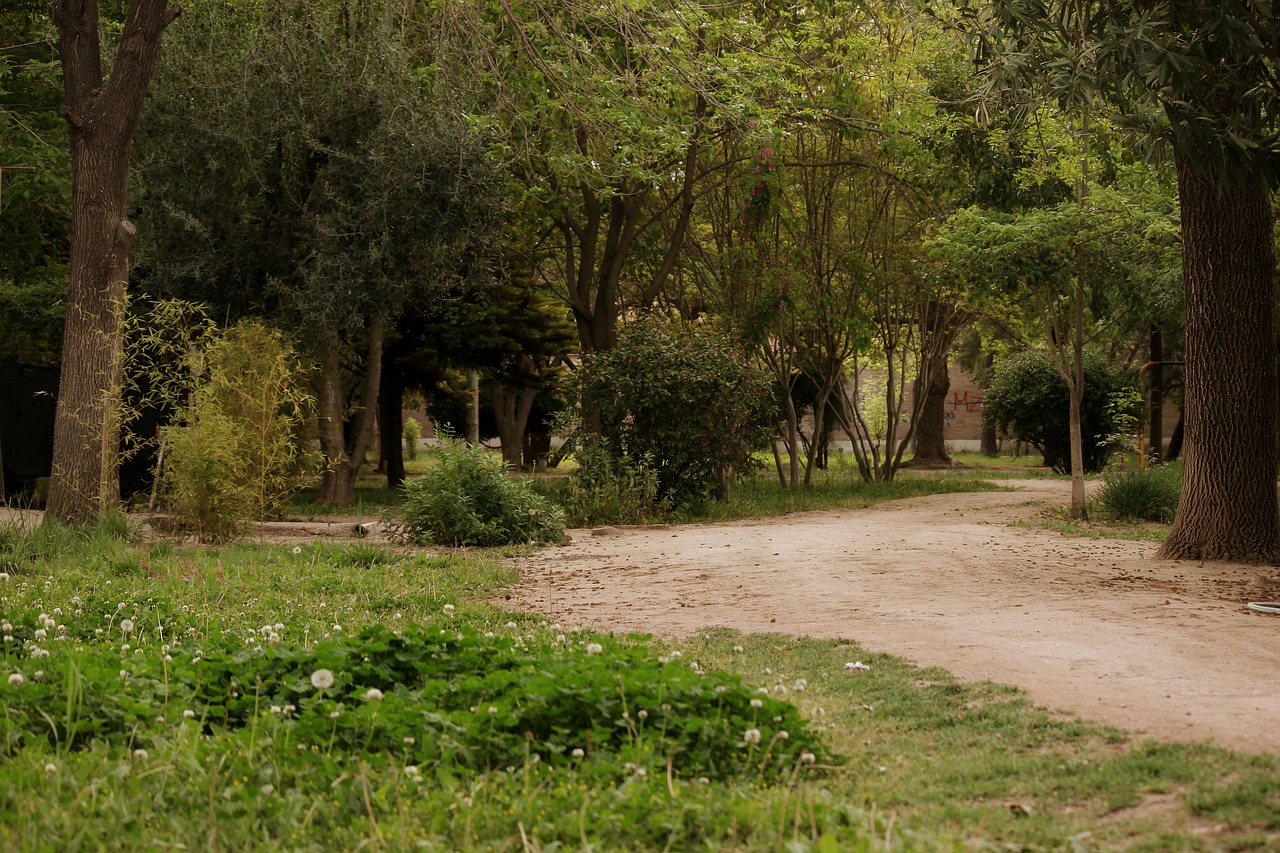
[{"x": 1089, "y": 625}]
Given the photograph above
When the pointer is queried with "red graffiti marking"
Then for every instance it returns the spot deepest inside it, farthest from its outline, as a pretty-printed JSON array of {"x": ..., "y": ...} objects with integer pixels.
[{"x": 958, "y": 400}]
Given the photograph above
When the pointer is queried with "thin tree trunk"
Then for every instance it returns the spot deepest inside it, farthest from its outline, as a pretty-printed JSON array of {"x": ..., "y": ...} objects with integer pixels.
[
  {"x": 391, "y": 425},
  {"x": 1175, "y": 439},
  {"x": 1228, "y": 509},
  {"x": 102, "y": 116},
  {"x": 473, "y": 407},
  {"x": 1155, "y": 434}
]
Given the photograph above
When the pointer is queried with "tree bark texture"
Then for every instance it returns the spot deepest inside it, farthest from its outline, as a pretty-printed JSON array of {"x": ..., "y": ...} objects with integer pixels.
[
  {"x": 511, "y": 407},
  {"x": 102, "y": 116},
  {"x": 931, "y": 443},
  {"x": 344, "y": 451},
  {"x": 1228, "y": 508}
]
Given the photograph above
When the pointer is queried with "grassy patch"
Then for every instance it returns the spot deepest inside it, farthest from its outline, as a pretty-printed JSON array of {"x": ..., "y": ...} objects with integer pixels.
[
  {"x": 173, "y": 696},
  {"x": 1102, "y": 529}
]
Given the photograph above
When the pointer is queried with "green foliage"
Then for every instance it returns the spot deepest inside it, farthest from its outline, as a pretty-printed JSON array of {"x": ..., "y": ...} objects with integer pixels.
[
  {"x": 468, "y": 498},
  {"x": 334, "y": 182},
  {"x": 25, "y": 546},
  {"x": 608, "y": 489},
  {"x": 232, "y": 458},
  {"x": 1028, "y": 400},
  {"x": 1142, "y": 494},
  {"x": 682, "y": 401},
  {"x": 35, "y": 190},
  {"x": 452, "y": 699},
  {"x": 412, "y": 434}
]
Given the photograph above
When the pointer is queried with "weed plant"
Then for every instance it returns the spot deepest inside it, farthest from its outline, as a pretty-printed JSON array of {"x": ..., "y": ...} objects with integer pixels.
[
  {"x": 604, "y": 489},
  {"x": 1142, "y": 494},
  {"x": 467, "y": 498}
]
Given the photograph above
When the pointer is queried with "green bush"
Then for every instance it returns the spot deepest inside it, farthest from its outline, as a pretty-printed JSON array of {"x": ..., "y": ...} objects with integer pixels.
[
  {"x": 232, "y": 458},
  {"x": 609, "y": 490},
  {"x": 1143, "y": 494},
  {"x": 412, "y": 433},
  {"x": 682, "y": 401},
  {"x": 467, "y": 498},
  {"x": 1028, "y": 400}
]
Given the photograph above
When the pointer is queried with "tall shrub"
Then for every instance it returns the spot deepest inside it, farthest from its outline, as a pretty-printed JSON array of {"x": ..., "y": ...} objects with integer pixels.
[
  {"x": 1028, "y": 400},
  {"x": 233, "y": 456},
  {"x": 684, "y": 399}
]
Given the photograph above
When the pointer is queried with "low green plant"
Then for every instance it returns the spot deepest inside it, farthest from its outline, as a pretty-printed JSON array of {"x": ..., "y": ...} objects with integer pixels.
[
  {"x": 24, "y": 545},
  {"x": 683, "y": 401},
  {"x": 412, "y": 434},
  {"x": 468, "y": 498},
  {"x": 366, "y": 555},
  {"x": 607, "y": 489},
  {"x": 1142, "y": 494}
]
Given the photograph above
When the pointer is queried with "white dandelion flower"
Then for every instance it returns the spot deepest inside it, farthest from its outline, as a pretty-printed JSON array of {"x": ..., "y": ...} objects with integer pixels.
[{"x": 321, "y": 679}]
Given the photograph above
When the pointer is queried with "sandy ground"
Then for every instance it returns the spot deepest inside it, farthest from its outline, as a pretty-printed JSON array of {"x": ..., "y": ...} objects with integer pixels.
[{"x": 1093, "y": 626}]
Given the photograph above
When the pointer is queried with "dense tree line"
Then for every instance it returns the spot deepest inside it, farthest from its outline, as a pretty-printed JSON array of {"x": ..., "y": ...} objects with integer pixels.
[{"x": 839, "y": 188}]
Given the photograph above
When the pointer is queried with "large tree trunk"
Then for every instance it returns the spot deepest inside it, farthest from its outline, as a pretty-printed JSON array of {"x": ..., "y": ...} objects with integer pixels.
[
  {"x": 345, "y": 456},
  {"x": 102, "y": 119},
  {"x": 1228, "y": 509},
  {"x": 931, "y": 439}
]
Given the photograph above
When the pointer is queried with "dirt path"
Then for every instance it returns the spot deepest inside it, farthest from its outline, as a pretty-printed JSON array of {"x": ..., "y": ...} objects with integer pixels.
[{"x": 1089, "y": 625}]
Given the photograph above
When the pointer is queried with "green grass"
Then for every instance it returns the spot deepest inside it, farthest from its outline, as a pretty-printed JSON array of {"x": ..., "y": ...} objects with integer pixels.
[
  {"x": 905, "y": 758},
  {"x": 1101, "y": 528},
  {"x": 760, "y": 494}
]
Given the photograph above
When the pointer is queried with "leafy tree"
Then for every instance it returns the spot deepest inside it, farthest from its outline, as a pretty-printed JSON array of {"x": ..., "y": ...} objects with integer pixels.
[
  {"x": 233, "y": 455},
  {"x": 331, "y": 186},
  {"x": 683, "y": 402},
  {"x": 1200, "y": 77},
  {"x": 606, "y": 110},
  {"x": 1059, "y": 256},
  {"x": 102, "y": 112},
  {"x": 35, "y": 189}
]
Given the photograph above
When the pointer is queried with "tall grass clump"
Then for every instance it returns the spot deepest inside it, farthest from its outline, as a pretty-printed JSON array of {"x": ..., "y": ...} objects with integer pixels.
[
  {"x": 25, "y": 544},
  {"x": 467, "y": 498},
  {"x": 1143, "y": 494}
]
